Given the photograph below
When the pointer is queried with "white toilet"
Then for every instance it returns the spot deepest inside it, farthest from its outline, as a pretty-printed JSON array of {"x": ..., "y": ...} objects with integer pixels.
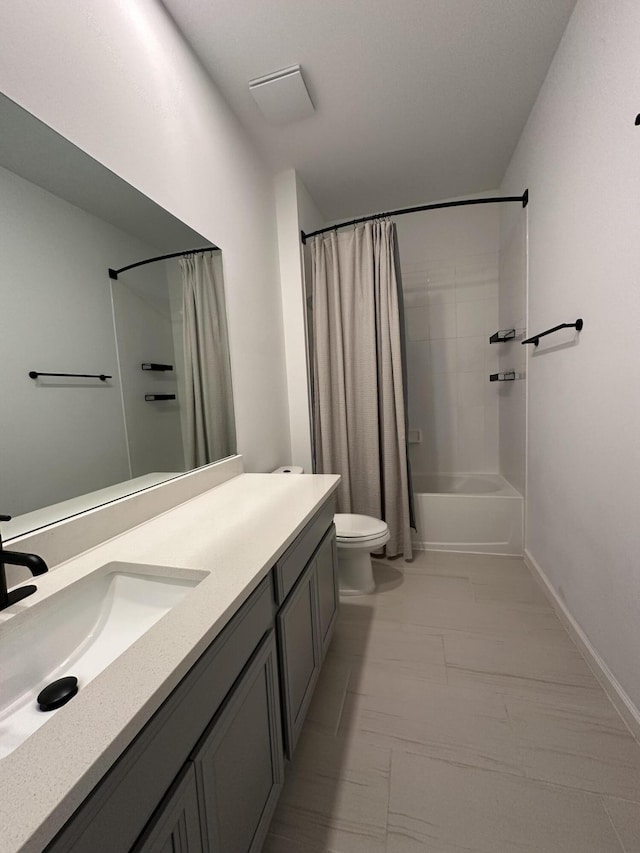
[{"x": 358, "y": 536}]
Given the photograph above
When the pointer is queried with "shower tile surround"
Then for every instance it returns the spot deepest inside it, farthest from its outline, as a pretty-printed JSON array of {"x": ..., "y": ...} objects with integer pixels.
[
  {"x": 450, "y": 277},
  {"x": 456, "y": 714}
]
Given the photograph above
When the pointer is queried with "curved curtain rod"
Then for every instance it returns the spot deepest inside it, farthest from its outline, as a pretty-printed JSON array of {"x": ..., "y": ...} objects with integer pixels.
[
  {"x": 114, "y": 273},
  {"x": 523, "y": 199}
]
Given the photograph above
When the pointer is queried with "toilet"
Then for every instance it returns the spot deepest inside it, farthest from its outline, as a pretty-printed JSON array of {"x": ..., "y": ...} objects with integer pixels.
[{"x": 358, "y": 536}]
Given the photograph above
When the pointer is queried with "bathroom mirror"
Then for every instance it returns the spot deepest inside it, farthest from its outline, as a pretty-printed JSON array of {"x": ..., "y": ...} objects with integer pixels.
[{"x": 69, "y": 443}]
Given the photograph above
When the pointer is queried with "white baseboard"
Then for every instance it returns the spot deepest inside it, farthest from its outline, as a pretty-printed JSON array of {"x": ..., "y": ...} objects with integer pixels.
[
  {"x": 606, "y": 678},
  {"x": 455, "y": 548}
]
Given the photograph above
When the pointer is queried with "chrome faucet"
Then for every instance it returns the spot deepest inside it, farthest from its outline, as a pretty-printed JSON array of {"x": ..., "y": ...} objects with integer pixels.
[{"x": 35, "y": 564}]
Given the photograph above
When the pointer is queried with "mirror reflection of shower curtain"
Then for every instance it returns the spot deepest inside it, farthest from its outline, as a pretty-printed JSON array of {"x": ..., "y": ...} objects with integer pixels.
[{"x": 208, "y": 401}]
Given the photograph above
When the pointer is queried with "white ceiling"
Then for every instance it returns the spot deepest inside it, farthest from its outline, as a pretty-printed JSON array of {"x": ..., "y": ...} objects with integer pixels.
[{"x": 416, "y": 100}]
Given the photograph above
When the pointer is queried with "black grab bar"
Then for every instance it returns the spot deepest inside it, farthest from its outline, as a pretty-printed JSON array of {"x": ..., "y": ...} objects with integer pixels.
[{"x": 535, "y": 339}]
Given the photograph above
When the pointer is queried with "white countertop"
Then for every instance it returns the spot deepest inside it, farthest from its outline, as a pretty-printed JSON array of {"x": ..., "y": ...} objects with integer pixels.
[{"x": 236, "y": 532}]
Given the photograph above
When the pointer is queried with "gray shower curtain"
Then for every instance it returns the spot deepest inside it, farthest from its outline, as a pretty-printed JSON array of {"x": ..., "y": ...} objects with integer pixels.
[
  {"x": 359, "y": 402},
  {"x": 210, "y": 427}
]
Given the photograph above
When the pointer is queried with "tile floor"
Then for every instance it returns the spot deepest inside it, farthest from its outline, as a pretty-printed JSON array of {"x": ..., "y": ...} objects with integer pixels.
[{"x": 455, "y": 715}]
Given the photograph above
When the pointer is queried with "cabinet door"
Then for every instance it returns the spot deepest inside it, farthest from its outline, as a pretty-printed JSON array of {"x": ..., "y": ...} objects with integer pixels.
[
  {"x": 328, "y": 596},
  {"x": 239, "y": 766},
  {"x": 299, "y": 647},
  {"x": 175, "y": 827}
]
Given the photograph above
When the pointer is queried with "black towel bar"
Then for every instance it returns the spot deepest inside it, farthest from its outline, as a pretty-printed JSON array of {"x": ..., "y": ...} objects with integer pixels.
[
  {"x": 151, "y": 398},
  {"x": 535, "y": 339},
  {"x": 102, "y": 376}
]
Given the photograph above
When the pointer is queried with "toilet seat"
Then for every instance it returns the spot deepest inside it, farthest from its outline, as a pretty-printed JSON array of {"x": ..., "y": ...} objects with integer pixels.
[
  {"x": 361, "y": 527},
  {"x": 371, "y": 543},
  {"x": 360, "y": 531}
]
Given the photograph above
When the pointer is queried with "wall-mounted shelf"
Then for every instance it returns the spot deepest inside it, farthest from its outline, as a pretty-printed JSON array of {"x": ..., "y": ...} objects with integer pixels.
[
  {"x": 509, "y": 376},
  {"x": 151, "y": 398},
  {"x": 149, "y": 365},
  {"x": 502, "y": 335}
]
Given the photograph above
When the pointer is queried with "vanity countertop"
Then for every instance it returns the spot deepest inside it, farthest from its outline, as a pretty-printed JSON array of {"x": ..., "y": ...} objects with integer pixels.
[{"x": 236, "y": 532}]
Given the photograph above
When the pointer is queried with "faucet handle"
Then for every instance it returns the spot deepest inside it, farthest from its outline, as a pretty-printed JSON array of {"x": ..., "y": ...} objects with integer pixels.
[{"x": 5, "y": 518}]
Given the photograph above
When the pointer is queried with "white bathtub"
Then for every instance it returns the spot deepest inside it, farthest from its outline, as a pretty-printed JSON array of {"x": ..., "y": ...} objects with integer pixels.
[{"x": 477, "y": 513}]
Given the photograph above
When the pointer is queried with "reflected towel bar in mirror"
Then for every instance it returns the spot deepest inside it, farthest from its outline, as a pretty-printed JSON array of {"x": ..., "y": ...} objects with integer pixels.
[
  {"x": 102, "y": 376},
  {"x": 535, "y": 339}
]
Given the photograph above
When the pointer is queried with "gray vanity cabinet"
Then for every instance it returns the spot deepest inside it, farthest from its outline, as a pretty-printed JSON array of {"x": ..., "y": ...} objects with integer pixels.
[
  {"x": 239, "y": 765},
  {"x": 300, "y": 653},
  {"x": 123, "y": 811},
  {"x": 205, "y": 773},
  {"x": 328, "y": 594},
  {"x": 177, "y": 828},
  {"x": 305, "y": 624}
]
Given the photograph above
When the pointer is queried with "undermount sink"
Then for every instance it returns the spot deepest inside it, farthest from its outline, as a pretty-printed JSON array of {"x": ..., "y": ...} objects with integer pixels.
[{"x": 78, "y": 631}]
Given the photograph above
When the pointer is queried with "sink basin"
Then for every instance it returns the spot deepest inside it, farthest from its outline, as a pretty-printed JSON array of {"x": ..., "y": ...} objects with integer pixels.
[{"x": 78, "y": 630}]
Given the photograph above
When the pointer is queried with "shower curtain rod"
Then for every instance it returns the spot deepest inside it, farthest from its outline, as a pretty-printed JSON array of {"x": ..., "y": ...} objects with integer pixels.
[
  {"x": 523, "y": 199},
  {"x": 114, "y": 273}
]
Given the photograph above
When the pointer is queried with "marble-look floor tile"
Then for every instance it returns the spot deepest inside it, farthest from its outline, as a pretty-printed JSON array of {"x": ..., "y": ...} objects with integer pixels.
[
  {"x": 502, "y": 739},
  {"x": 590, "y": 750},
  {"x": 408, "y": 605},
  {"x": 329, "y": 695},
  {"x": 451, "y": 587},
  {"x": 370, "y": 679},
  {"x": 279, "y": 844},
  {"x": 521, "y": 668},
  {"x": 539, "y": 625},
  {"x": 335, "y": 796},
  {"x": 516, "y": 591},
  {"x": 390, "y": 645},
  {"x": 625, "y": 817},
  {"x": 449, "y": 724},
  {"x": 438, "y": 807}
]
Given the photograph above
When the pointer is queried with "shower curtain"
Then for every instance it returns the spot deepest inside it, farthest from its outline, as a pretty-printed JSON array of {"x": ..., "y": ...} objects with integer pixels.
[
  {"x": 359, "y": 398},
  {"x": 210, "y": 427}
]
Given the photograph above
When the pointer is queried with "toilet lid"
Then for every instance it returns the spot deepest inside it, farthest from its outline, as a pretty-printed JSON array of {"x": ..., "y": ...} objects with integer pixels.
[{"x": 350, "y": 526}]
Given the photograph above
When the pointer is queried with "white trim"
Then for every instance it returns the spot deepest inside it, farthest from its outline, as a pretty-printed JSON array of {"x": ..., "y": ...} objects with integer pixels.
[
  {"x": 456, "y": 548},
  {"x": 606, "y": 678}
]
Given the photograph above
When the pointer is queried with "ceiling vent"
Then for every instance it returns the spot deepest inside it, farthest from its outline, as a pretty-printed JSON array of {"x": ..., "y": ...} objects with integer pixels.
[{"x": 282, "y": 96}]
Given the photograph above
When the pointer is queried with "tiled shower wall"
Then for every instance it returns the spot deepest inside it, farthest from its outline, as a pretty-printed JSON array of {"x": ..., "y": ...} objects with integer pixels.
[{"x": 450, "y": 261}]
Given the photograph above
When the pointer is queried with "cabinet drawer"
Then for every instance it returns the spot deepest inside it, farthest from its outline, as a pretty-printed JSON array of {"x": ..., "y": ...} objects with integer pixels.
[
  {"x": 291, "y": 565},
  {"x": 117, "y": 810}
]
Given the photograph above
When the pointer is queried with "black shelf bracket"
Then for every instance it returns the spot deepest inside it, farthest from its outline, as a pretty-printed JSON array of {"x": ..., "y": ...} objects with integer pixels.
[
  {"x": 151, "y": 366},
  {"x": 509, "y": 376},
  {"x": 502, "y": 335},
  {"x": 535, "y": 339},
  {"x": 151, "y": 398}
]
